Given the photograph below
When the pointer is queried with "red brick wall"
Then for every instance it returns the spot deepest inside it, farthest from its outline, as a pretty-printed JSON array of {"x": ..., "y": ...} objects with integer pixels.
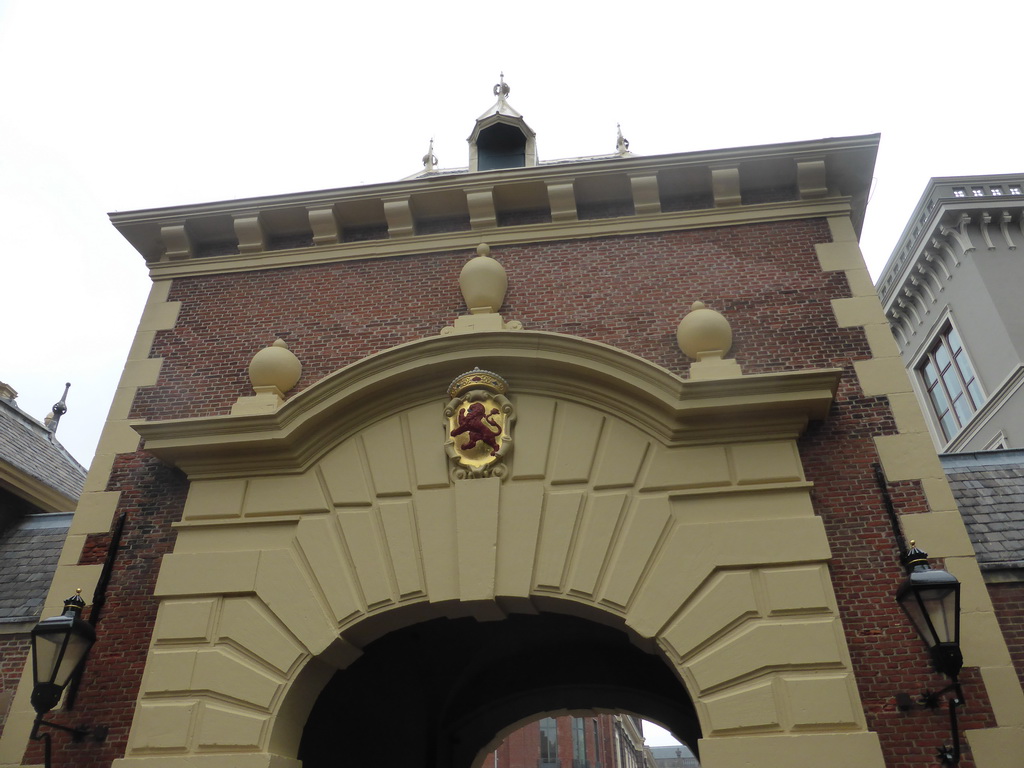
[
  {"x": 1008, "y": 599},
  {"x": 521, "y": 749},
  {"x": 629, "y": 292},
  {"x": 13, "y": 653}
]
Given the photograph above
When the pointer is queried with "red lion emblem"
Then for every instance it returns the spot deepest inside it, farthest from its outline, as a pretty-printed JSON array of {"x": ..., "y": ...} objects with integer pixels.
[{"x": 475, "y": 422}]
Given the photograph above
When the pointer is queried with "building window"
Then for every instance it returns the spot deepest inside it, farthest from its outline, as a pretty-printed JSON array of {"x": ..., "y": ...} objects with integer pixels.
[
  {"x": 959, "y": 192},
  {"x": 949, "y": 379},
  {"x": 978, "y": 191},
  {"x": 548, "y": 742},
  {"x": 997, "y": 443},
  {"x": 1015, "y": 189},
  {"x": 996, "y": 191},
  {"x": 579, "y": 743}
]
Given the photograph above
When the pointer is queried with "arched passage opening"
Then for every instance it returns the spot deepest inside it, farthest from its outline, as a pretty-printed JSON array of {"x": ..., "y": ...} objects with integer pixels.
[{"x": 439, "y": 693}]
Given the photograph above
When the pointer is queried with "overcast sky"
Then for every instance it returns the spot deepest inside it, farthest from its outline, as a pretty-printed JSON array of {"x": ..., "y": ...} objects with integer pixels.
[{"x": 116, "y": 106}]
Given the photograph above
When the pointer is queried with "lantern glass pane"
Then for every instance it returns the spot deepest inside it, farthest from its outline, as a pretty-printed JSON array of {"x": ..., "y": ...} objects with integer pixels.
[
  {"x": 45, "y": 656},
  {"x": 917, "y": 615},
  {"x": 931, "y": 599},
  {"x": 76, "y": 650},
  {"x": 945, "y": 612}
]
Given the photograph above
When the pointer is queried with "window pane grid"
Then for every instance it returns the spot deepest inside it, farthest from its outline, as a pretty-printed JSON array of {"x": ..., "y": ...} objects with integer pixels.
[{"x": 949, "y": 380}]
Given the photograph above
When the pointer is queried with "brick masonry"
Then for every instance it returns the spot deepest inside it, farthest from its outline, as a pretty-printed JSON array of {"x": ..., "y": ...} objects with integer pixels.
[
  {"x": 13, "y": 654},
  {"x": 627, "y": 291},
  {"x": 601, "y": 748}
]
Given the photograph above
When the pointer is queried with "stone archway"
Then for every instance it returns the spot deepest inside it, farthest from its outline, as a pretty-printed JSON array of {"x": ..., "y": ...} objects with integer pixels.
[
  {"x": 437, "y": 693},
  {"x": 676, "y": 510}
]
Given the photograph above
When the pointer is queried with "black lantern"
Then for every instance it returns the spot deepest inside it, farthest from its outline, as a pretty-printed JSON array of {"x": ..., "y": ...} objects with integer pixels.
[
  {"x": 931, "y": 598},
  {"x": 59, "y": 646}
]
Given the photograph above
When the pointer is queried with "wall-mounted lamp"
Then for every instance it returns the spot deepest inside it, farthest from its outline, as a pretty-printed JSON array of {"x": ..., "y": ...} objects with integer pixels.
[
  {"x": 931, "y": 598},
  {"x": 59, "y": 646}
]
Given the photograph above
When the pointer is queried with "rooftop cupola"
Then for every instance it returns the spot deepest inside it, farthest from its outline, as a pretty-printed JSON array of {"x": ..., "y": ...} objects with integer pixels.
[{"x": 501, "y": 138}]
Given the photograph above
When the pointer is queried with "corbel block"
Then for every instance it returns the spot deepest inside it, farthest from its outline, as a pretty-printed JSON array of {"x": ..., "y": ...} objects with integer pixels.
[
  {"x": 481, "y": 208},
  {"x": 646, "y": 198},
  {"x": 811, "y": 179},
  {"x": 249, "y": 230},
  {"x": 177, "y": 243},
  {"x": 324, "y": 224},
  {"x": 398, "y": 212},
  {"x": 562, "y": 199},
  {"x": 725, "y": 186}
]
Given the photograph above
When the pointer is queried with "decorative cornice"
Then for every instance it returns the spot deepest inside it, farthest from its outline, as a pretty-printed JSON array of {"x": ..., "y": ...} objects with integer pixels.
[
  {"x": 818, "y": 178},
  {"x": 673, "y": 410},
  {"x": 529, "y": 233},
  {"x": 937, "y": 227}
]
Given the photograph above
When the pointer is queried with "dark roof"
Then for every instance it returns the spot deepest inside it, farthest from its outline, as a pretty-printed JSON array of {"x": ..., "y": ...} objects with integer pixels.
[
  {"x": 459, "y": 171},
  {"x": 28, "y": 558},
  {"x": 31, "y": 450},
  {"x": 669, "y": 753},
  {"x": 989, "y": 488}
]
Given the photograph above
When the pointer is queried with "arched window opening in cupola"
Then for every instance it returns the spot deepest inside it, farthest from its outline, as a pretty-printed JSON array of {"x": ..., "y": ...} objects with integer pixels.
[{"x": 501, "y": 146}]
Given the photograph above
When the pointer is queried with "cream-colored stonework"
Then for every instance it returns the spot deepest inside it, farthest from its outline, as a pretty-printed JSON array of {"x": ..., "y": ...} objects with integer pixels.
[
  {"x": 676, "y": 509},
  {"x": 909, "y": 455}
]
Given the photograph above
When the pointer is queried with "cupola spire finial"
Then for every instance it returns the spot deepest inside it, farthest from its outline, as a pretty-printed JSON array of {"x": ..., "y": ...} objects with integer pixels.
[
  {"x": 501, "y": 89},
  {"x": 430, "y": 159},
  {"x": 621, "y": 142},
  {"x": 59, "y": 409}
]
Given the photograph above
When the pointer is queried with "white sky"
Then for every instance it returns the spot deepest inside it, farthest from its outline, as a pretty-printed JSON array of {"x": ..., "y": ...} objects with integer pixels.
[
  {"x": 656, "y": 736},
  {"x": 110, "y": 106}
]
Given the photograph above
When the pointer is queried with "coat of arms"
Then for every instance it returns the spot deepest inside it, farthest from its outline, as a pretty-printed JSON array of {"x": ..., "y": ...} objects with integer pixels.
[{"x": 478, "y": 425}]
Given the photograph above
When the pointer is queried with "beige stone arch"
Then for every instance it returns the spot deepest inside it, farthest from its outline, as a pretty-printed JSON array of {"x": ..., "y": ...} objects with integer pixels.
[{"x": 675, "y": 508}]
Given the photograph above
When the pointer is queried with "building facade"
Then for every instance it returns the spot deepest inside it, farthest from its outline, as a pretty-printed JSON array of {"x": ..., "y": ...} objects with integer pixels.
[
  {"x": 594, "y": 740},
  {"x": 40, "y": 483},
  {"x": 950, "y": 293},
  {"x": 473, "y": 446}
]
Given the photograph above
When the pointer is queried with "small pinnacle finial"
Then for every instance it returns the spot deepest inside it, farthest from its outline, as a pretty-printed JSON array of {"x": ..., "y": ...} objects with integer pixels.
[
  {"x": 429, "y": 159},
  {"x": 621, "y": 142},
  {"x": 915, "y": 557},
  {"x": 59, "y": 409},
  {"x": 501, "y": 90},
  {"x": 73, "y": 605}
]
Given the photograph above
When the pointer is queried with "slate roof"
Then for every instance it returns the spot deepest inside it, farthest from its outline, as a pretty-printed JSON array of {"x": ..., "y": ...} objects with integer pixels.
[
  {"x": 28, "y": 558},
  {"x": 666, "y": 757},
  {"x": 669, "y": 753},
  {"x": 30, "y": 449},
  {"x": 989, "y": 488},
  {"x": 540, "y": 164}
]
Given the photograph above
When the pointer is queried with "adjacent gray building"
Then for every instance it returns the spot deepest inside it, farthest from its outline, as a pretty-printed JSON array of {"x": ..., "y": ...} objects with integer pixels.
[{"x": 952, "y": 293}]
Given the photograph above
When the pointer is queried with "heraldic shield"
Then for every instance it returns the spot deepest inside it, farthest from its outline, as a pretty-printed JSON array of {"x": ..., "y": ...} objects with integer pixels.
[{"x": 478, "y": 425}]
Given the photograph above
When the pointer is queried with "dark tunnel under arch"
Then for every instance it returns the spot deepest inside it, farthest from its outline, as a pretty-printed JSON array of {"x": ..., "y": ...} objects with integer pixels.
[{"x": 434, "y": 694}]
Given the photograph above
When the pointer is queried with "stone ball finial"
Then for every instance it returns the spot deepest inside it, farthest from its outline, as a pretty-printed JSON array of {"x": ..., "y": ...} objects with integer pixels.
[
  {"x": 275, "y": 366},
  {"x": 704, "y": 333},
  {"x": 483, "y": 282}
]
